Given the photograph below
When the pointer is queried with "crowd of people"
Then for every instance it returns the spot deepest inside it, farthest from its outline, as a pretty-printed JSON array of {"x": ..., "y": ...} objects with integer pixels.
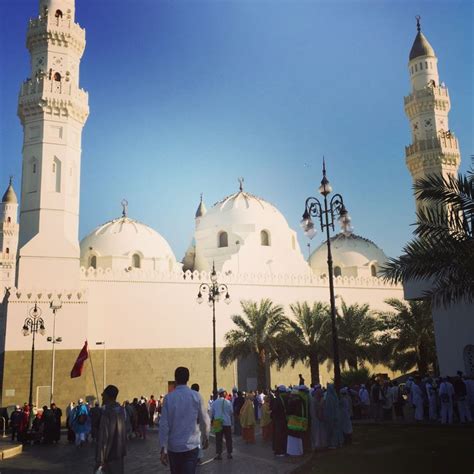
[{"x": 295, "y": 419}]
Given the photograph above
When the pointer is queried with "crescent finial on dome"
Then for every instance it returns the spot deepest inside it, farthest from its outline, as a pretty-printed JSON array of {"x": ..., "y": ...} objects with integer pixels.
[
  {"x": 124, "y": 204},
  {"x": 241, "y": 184}
]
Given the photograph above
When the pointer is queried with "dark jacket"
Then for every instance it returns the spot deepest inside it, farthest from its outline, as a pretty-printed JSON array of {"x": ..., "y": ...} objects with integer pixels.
[{"x": 112, "y": 438}]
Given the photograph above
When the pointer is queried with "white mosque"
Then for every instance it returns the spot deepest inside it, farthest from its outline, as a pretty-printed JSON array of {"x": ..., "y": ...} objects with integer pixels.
[{"x": 122, "y": 285}]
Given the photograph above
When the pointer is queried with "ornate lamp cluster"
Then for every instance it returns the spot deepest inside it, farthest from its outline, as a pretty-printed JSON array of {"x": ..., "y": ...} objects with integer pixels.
[
  {"x": 326, "y": 214},
  {"x": 214, "y": 290},
  {"x": 34, "y": 322}
]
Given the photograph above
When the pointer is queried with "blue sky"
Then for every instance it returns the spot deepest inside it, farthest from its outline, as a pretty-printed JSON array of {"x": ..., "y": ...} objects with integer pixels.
[{"x": 186, "y": 96}]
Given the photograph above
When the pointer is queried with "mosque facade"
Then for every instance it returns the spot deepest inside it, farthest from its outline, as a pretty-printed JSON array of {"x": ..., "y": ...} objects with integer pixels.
[{"x": 122, "y": 286}]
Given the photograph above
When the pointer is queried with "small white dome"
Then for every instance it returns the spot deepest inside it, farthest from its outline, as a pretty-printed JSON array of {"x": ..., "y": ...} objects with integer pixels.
[
  {"x": 352, "y": 254},
  {"x": 243, "y": 233},
  {"x": 123, "y": 243}
]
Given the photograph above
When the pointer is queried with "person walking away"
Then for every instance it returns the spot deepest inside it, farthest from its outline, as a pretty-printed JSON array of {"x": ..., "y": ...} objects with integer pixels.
[
  {"x": 377, "y": 400},
  {"x": 266, "y": 422},
  {"x": 432, "y": 400},
  {"x": 57, "y": 414},
  {"x": 111, "y": 438},
  {"x": 446, "y": 397},
  {"x": 95, "y": 420},
  {"x": 221, "y": 421},
  {"x": 280, "y": 428},
  {"x": 460, "y": 396},
  {"x": 301, "y": 379},
  {"x": 15, "y": 423},
  {"x": 417, "y": 399},
  {"x": 247, "y": 420},
  {"x": 184, "y": 425},
  {"x": 364, "y": 402},
  {"x": 195, "y": 387},
  {"x": 346, "y": 422},
  {"x": 69, "y": 417},
  {"x": 332, "y": 416},
  {"x": 387, "y": 401},
  {"x": 143, "y": 417},
  {"x": 470, "y": 394},
  {"x": 152, "y": 410},
  {"x": 296, "y": 414},
  {"x": 49, "y": 425},
  {"x": 318, "y": 424},
  {"x": 398, "y": 400},
  {"x": 81, "y": 423},
  {"x": 238, "y": 404},
  {"x": 128, "y": 419}
]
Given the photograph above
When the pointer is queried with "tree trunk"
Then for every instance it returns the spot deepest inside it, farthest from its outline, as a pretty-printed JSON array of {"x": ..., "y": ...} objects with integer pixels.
[
  {"x": 314, "y": 367},
  {"x": 422, "y": 361},
  {"x": 261, "y": 370},
  {"x": 352, "y": 363}
]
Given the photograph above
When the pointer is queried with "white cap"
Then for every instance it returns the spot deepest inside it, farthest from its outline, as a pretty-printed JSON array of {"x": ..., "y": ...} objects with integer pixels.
[{"x": 221, "y": 390}]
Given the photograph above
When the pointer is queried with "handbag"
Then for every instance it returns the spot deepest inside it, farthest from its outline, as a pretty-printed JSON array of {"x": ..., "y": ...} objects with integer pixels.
[
  {"x": 297, "y": 423},
  {"x": 218, "y": 423}
]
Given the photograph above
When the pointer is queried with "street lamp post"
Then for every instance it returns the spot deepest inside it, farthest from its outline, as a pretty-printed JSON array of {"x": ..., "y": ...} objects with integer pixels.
[
  {"x": 33, "y": 323},
  {"x": 104, "y": 372},
  {"x": 214, "y": 291},
  {"x": 327, "y": 213},
  {"x": 55, "y": 306}
]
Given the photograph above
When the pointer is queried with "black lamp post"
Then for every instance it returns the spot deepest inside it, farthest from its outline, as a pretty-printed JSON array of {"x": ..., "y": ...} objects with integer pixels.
[
  {"x": 33, "y": 323},
  {"x": 327, "y": 213},
  {"x": 214, "y": 291}
]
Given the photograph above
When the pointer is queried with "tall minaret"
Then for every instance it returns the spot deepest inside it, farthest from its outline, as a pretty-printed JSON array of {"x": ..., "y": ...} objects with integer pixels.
[
  {"x": 434, "y": 149},
  {"x": 52, "y": 109},
  {"x": 8, "y": 237}
]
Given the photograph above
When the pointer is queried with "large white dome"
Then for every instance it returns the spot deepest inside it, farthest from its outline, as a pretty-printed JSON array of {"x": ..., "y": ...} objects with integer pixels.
[
  {"x": 243, "y": 233},
  {"x": 125, "y": 243},
  {"x": 352, "y": 255}
]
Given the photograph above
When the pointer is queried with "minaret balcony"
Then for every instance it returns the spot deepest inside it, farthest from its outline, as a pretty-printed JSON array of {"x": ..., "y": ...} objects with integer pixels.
[
  {"x": 50, "y": 87},
  {"x": 434, "y": 93},
  {"x": 62, "y": 31},
  {"x": 444, "y": 143}
]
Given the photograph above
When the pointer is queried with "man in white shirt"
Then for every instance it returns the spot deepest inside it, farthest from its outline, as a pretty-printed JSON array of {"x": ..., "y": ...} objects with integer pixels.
[
  {"x": 184, "y": 425},
  {"x": 222, "y": 409}
]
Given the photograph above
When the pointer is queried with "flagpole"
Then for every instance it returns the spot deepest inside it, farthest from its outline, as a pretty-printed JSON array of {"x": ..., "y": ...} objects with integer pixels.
[{"x": 93, "y": 374}]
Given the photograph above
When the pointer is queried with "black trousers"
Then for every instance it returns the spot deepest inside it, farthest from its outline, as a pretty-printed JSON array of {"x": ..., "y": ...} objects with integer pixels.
[{"x": 227, "y": 433}]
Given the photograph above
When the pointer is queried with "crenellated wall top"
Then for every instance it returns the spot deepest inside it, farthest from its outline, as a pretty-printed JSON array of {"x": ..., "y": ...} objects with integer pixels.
[
  {"x": 139, "y": 276},
  {"x": 15, "y": 295}
]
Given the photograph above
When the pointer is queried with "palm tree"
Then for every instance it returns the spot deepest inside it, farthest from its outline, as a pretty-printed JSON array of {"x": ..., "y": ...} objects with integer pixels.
[
  {"x": 257, "y": 334},
  {"x": 443, "y": 250},
  {"x": 408, "y": 339},
  {"x": 356, "y": 330},
  {"x": 308, "y": 338}
]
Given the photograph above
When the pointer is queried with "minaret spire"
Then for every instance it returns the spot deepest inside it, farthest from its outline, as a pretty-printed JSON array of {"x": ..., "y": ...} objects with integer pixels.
[
  {"x": 434, "y": 149},
  {"x": 53, "y": 110}
]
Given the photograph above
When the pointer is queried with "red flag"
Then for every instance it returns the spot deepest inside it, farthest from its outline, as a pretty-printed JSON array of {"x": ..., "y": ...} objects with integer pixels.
[{"x": 81, "y": 358}]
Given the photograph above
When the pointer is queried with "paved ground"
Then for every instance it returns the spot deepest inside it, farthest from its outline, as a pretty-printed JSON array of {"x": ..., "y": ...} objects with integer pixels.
[{"x": 143, "y": 458}]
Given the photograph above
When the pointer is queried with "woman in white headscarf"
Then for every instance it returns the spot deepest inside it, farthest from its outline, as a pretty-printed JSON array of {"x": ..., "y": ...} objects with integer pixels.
[
  {"x": 332, "y": 415},
  {"x": 318, "y": 423}
]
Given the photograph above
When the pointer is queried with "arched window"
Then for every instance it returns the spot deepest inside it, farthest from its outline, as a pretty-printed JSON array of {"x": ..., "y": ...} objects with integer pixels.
[
  {"x": 223, "y": 239},
  {"x": 7, "y": 250},
  {"x": 9, "y": 219},
  {"x": 93, "y": 261},
  {"x": 57, "y": 76},
  {"x": 373, "y": 270},
  {"x": 58, "y": 14},
  {"x": 337, "y": 271},
  {"x": 265, "y": 238},
  {"x": 468, "y": 354},
  {"x": 136, "y": 261},
  {"x": 57, "y": 172}
]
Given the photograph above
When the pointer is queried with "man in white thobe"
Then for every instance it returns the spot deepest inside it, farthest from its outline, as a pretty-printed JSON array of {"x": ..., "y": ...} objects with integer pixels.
[{"x": 446, "y": 395}]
